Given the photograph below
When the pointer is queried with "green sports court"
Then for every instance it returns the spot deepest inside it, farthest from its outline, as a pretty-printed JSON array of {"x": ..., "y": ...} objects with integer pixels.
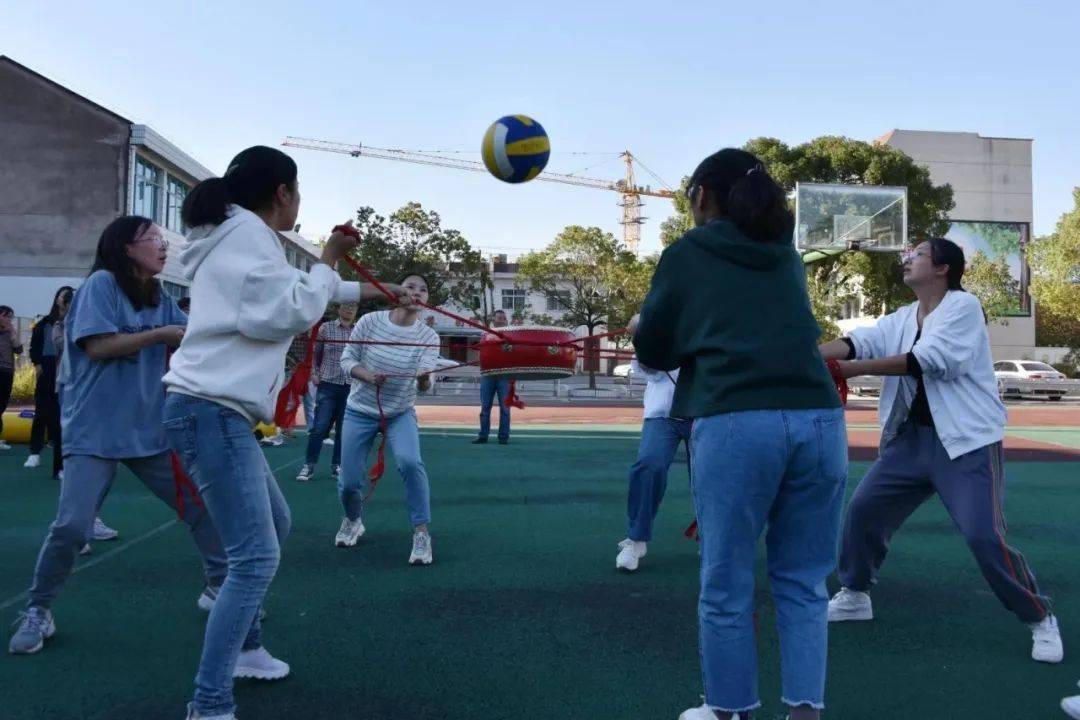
[{"x": 523, "y": 613}]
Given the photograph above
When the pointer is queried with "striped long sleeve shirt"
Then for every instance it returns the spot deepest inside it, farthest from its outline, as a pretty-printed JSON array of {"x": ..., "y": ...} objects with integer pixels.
[{"x": 398, "y": 393}]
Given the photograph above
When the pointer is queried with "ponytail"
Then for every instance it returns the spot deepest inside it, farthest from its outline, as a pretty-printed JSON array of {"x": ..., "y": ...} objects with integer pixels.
[
  {"x": 746, "y": 194},
  {"x": 251, "y": 181}
]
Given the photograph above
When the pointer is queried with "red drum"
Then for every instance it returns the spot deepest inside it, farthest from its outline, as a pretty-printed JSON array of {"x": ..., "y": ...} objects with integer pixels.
[{"x": 530, "y": 353}]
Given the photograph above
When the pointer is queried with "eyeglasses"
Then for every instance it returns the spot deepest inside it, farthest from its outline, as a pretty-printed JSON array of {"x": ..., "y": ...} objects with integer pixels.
[
  {"x": 910, "y": 255},
  {"x": 161, "y": 241}
]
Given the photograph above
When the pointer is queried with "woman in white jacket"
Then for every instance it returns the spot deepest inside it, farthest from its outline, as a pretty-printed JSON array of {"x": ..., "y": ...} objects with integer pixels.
[
  {"x": 942, "y": 426},
  {"x": 248, "y": 304}
]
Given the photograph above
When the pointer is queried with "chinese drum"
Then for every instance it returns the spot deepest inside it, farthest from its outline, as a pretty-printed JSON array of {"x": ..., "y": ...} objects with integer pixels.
[{"x": 528, "y": 353}]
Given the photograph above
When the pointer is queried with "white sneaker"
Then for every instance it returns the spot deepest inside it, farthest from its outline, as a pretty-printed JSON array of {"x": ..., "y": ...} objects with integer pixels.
[
  {"x": 421, "y": 549},
  {"x": 704, "y": 712},
  {"x": 850, "y": 605},
  {"x": 208, "y": 597},
  {"x": 328, "y": 441},
  {"x": 631, "y": 551},
  {"x": 349, "y": 533},
  {"x": 32, "y": 462},
  {"x": 4, "y": 445},
  {"x": 260, "y": 665},
  {"x": 274, "y": 440},
  {"x": 85, "y": 549},
  {"x": 1071, "y": 706},
  {"x": 103, "y": 531},
  {"x": 306, "y": 474},
  {"x": 1046, "y": 641},
  {"x": 60, "y": 475},
  {"x": 193, "y": 714}
]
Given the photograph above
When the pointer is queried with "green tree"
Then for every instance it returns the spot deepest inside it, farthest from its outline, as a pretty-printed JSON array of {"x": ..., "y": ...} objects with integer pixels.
[
  {"x": 598, "y": 281},
  {"x": 834, "y": 159},
  {"x": 992, "y": 282},
  {"x": 1055, "y": 273},
  {"x": 412, "y": 239}
]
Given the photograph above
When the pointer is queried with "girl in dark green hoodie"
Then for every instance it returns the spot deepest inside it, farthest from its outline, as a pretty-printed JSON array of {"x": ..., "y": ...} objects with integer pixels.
[{"x": 728, "y": 307}]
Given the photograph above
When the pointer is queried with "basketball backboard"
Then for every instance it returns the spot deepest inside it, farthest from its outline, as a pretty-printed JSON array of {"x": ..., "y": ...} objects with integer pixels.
[{"x": 841, "y": 217}]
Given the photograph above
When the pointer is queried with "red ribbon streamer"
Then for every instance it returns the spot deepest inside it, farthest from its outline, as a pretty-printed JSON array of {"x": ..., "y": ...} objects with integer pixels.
[{"x": 838, "y": 378}]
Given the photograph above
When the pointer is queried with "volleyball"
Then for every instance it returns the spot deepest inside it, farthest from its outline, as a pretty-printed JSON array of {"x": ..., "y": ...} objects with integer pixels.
[{"x": 515, "y": 148}]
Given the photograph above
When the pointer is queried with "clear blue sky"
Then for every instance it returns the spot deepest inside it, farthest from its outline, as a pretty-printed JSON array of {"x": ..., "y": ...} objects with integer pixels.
[{"x": 670, "y": 81}]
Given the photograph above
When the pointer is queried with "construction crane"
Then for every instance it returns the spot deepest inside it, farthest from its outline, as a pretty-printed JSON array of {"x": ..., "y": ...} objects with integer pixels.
[{"x": 631, "y": 192}]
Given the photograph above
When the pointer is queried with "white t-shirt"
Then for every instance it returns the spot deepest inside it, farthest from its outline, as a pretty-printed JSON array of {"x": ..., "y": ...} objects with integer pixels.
[
  {"x": 398, "y": 393},
  {"x": 659, "y": 389}
]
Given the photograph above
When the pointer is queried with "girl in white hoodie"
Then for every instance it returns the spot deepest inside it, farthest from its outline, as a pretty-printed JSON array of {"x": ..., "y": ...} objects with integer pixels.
[{"x": 248, "y": 303}]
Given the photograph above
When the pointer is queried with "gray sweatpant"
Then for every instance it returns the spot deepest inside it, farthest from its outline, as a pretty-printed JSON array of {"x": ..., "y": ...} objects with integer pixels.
[
  {"x": 912, "y": 467},
  {"x": 86, "y": 481}
]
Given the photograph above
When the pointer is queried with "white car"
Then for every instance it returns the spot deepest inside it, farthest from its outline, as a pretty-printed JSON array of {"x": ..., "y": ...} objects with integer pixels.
[
  {"x": 1028, "y": 378},
  {"x": 621, "y": 371}
]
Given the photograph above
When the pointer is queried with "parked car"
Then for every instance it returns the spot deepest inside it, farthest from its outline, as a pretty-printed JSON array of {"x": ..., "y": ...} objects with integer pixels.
[
  {"x": 1029, "y": 378},
  {"x": 621, "y": 371}
]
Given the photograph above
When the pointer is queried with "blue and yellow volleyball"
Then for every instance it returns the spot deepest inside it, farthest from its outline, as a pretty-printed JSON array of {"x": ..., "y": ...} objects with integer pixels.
[{"x": 515, "y": 148}]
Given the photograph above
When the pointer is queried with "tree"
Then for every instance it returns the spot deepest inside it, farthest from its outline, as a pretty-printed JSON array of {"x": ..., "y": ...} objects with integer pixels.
[
  {"x": 834, "y": 159},
  {"x": 413, "y": 240},
  {"x": 1055, "y": 273},
  {"x": 992, "y": 282},
  {"x": 598, "y": 282}
]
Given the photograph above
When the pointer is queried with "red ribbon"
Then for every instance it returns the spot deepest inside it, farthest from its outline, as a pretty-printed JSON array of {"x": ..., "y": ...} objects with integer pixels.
[
  {"x": 291, "y": 397},
  {"x": 838, "y": 378},
  {"x": 180, "y": 478},
  {"x": 512, "y": 398}
]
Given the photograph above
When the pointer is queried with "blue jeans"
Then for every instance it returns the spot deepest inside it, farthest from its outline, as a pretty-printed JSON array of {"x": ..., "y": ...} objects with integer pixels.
[
  {"x": 489, "y": 388},
  {"x": 403, "y": 437},
  {"x": 224, "y": 460},
  {"x": 329, "y": 408},
  {"x": 660, "y": 437},
  {"x": 784, "y": 470}
]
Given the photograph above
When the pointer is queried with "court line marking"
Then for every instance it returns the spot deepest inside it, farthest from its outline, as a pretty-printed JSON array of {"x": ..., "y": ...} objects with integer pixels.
[{"x": 116, "y": 551}]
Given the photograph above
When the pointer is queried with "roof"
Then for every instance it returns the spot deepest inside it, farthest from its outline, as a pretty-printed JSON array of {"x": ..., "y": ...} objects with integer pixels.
[
  {"x": 149, "y": 138},
  {"x": 5, "y": 60},
  {"x": 888, "y": 136}
]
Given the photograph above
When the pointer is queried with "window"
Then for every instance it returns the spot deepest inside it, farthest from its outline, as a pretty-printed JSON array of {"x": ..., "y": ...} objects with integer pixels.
[
  {"x": 1037, "y": 367},
  {"x": 513, "y": 299},
  {"x": 147, "y": 190},
  {"x": 559, "y": 301},
  {"x": 174, "y": 201},
  {"x": 174, "y": 290}
]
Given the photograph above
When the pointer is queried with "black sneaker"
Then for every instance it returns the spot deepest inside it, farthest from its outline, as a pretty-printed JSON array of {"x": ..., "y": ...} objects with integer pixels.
[{"x": 480, "y": 441}]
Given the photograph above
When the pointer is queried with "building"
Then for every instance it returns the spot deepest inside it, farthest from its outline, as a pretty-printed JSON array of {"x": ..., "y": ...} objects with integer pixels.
[
  {"x": 991, "y": 180},
  {"x": 71, "y": 166}
]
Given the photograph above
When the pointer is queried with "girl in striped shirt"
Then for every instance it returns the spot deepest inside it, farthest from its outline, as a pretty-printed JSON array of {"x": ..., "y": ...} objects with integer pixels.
[{"x": 385, "y": 378}]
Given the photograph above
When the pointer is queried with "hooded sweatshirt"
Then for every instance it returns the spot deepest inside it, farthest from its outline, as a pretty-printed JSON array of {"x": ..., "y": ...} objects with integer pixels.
[
  {"x": 734, "y": 316},
  {"x": 247, "y": 305}
]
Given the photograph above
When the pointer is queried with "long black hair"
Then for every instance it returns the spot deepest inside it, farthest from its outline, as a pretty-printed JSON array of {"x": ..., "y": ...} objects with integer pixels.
[
  {"x": 745, "y": 193},
  {"x": 945, "y": 252},
  {"x": 112, "y": 256},
  {"x": 53, "y": 315},
  {"x": 252, "y": 179}
]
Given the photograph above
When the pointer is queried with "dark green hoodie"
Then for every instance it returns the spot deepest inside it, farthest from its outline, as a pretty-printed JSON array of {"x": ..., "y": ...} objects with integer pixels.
[{"x": 734, "y": 316}]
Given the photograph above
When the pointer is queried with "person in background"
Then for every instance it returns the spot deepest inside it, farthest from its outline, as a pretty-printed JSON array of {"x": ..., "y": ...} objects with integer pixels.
[
  {"x": 489, "y": 388},
  {"x": 44, "y": 354},
  {"x": 9, "y": 348},
  {"x": 184, "y": 304},
  {"x": 101, "y": 531},
  {"x": 332, "y": 391},
  {"x": 660, "y": 438}
]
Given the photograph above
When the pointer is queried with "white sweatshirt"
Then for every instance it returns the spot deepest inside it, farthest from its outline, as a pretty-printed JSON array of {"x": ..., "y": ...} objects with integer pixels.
[
  {"x": 247, "y": 304},
  {"x": 958, "y": 371},
  {"x": 659, "y": 389}
]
